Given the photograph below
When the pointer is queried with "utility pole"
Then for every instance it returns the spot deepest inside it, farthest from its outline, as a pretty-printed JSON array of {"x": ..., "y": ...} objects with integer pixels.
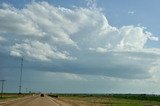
[
  {"x": 20, "y": 81},
  {"x": 2, "y": 87},
  {"x": 26, "y": 90}
]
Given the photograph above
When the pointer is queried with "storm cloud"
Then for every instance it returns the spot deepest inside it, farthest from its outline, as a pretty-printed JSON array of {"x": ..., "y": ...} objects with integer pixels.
[{"x": 77, "y": 40}]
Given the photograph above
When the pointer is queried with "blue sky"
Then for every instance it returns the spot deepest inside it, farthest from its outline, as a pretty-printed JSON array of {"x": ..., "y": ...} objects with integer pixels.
[{"x": 80, "y": 46}]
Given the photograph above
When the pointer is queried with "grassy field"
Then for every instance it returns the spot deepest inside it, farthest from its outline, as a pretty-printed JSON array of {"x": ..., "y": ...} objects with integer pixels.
[
  {"x": 8, "y": 96},
  {"x": 110, "y": 100},
  {"x": 100, "y": 99}
]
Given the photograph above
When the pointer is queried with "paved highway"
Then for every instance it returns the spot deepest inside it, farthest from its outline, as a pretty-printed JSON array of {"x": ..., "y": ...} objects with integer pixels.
[{"x": 36, "y": 101}]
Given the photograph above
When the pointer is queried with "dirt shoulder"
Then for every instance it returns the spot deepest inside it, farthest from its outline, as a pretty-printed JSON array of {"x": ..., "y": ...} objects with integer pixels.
[
  {"x": 12, "y": 97},
  {"x": 78, "y": 101}
]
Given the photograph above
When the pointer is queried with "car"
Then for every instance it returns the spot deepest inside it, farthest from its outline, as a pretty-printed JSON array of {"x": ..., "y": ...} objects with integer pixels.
[{"x": 42, "y": 95}]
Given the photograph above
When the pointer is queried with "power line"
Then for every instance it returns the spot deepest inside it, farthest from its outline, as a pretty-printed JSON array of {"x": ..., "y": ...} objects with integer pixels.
[
  {"x": 2, "y": 87},
  {"x": 20, "y": 81}
]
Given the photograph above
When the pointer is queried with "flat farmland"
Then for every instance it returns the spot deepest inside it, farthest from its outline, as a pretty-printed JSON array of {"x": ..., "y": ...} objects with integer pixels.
[
  {"x": 80, "y": 100},
  {"x": 9, "y": 96},
  {"x": 110, "y": 100}
]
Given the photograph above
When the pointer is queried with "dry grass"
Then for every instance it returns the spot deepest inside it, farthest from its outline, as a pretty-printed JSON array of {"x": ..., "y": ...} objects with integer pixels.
[{"x": 104, "y": 101}]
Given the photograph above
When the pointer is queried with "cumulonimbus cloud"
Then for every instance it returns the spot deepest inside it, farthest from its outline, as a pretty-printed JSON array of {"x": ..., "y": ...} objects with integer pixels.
[{"x": 78, "y": 40}]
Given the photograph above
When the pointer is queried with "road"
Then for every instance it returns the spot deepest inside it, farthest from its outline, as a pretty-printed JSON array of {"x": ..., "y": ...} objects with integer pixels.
[{"x": 36, "y": 101}]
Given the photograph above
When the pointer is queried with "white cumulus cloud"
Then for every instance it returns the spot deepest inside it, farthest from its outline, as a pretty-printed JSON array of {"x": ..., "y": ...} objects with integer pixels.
[
  {"x": 37, "y": 50},
  {"x": 77, "y": 40}
]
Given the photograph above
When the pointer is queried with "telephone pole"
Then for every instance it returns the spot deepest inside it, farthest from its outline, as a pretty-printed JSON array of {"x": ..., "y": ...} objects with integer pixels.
[
  {"x": 2, "y": 87},
  {"x": 20, "y": 81}
]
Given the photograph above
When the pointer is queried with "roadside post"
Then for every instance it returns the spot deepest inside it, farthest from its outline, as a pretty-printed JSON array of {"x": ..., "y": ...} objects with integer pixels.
[{"x": 2, "y": 87}]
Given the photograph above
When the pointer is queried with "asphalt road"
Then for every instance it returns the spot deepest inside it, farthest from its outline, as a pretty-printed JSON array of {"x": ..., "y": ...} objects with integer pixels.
[{"x": 36, "y": 101}]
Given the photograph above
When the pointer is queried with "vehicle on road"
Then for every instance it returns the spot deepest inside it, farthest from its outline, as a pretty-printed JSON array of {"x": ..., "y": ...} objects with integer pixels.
[{"x": 42, "y": 95}]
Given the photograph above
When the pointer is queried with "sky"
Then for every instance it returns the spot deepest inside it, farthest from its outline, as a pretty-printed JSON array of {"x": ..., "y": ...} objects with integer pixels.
[{"x": 80, "y": 46}]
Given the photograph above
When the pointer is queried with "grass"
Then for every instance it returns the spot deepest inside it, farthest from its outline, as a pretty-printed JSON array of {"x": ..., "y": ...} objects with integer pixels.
[
  {"x": 8, "y": 96},
  {"x": 110, "y": 100}
]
